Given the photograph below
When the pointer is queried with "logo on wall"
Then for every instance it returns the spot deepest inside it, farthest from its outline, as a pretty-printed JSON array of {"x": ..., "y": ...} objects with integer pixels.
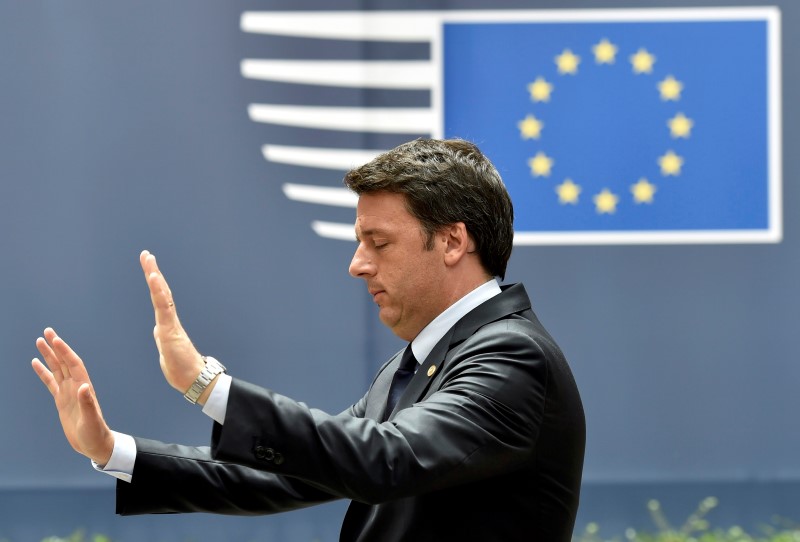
[{"x": 607, "y": 126}]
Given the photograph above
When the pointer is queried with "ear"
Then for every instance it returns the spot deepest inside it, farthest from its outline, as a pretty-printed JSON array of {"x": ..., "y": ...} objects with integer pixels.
[{"x": 458, "y": 243}]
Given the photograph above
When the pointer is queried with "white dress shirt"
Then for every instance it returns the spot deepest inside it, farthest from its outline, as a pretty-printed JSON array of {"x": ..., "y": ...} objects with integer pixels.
[{"x": 123, "y": 458}]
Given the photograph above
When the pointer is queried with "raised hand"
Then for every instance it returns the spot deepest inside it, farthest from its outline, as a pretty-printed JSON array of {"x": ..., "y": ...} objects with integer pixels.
[
  {"x": 66, "y": 378},
  {"x": 180, "y": 361}
]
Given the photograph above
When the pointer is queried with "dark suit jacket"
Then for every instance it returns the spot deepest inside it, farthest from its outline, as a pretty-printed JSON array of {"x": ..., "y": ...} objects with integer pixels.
[{"x": 486, "y": 444}]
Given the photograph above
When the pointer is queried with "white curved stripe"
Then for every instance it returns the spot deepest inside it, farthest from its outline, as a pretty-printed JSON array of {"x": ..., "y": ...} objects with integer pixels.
[
  {"x": 422, "y": 25},
  {"x": 359, "y": 119},
  {"x": 334, "y": 230},
  {"x": 349, "y": 25},
  {"x": 396, "y": 74},
  {"x": 341, "y": 159},
  {"x": 323, "y": 195}
]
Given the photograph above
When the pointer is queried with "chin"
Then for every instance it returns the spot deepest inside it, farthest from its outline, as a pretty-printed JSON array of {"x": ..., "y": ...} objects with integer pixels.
[{"x": 386, "y": 320}]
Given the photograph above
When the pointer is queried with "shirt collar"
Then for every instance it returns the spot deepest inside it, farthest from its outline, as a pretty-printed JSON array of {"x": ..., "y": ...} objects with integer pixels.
[{"x": 433, "y": 332}]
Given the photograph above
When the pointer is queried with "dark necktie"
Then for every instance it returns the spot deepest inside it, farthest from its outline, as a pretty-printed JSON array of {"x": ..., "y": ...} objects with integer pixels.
[{"x": 401, "y": 379}]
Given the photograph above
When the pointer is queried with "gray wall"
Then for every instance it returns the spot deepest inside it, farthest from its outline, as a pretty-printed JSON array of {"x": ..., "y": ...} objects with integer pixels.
[{"x": 124, "y": 127}]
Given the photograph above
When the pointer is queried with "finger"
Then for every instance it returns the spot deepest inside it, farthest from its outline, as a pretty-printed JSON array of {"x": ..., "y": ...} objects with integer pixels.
[
  {"x": 47, "y": 353},
  {"x": 50, "y": 336},
  {"x": 148, "y": 263},
  {"x": 159, "y": 288},
  {"x": 142, "y": 260},
  {"x": 163, "y": 305},
  {"x": 50, "y": 357},
  {"x": 45, "y": 376},
  {"x": 70, "y": 359},
  {"x": 150, "y": 267}
]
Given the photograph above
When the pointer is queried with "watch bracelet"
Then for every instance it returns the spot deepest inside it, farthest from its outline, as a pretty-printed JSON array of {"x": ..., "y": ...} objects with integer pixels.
[{"x": 206, "y": 376}]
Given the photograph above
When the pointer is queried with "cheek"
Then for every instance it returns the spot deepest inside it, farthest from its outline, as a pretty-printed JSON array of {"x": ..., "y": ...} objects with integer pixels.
[
  {"x": 409, "y": 277},
  {"x": 418, "y": 288}
]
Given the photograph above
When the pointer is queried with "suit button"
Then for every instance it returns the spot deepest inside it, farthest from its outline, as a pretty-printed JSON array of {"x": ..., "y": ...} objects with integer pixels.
[
  {"x": 261, "y": 452},
  {"x": 269, "y": 454}
]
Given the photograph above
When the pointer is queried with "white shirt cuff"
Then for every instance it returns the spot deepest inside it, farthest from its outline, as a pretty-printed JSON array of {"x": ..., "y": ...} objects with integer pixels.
[
  {"x": 123, "y": 457},
  {"x": 217, "y": 404}
]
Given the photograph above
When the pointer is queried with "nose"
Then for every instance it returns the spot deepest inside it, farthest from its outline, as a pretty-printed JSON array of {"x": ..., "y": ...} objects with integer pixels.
[{"x": 361, "y": 265}]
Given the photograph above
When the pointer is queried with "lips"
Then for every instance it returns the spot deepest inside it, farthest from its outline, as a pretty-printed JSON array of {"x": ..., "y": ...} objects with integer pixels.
[{"x": 375, "y": 292}]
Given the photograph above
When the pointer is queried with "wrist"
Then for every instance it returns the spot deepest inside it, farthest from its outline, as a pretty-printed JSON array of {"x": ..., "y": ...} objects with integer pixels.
[
  {"x": 205, "y": 381},
  {"x": 207, "y": 392},
  {"x": 103, "y": 455}
]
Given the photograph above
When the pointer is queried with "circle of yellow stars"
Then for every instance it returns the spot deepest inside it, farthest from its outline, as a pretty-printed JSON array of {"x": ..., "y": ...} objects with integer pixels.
[{"x": 568, "y": 63}]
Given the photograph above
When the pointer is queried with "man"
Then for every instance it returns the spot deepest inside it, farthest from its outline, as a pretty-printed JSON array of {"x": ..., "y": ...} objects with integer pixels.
[{"x": 486, "y": 442}]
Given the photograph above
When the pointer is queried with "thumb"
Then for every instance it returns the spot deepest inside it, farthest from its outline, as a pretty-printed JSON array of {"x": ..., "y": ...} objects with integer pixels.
[
  {"x": 96, "y": 440},
  {"x": 88, "y": 403}
]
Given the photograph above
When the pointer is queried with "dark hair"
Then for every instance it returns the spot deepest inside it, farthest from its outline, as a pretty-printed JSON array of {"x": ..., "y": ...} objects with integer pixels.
[{"x": 444, "y": 182}]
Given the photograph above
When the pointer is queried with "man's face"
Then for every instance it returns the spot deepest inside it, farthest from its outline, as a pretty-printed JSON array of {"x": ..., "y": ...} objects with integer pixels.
[{"x": 405, "y": 280}]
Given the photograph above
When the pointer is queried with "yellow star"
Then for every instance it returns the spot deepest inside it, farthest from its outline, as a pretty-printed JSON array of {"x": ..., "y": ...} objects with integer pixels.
[
  {"x": 680, "y": 126},
  {"x": 606, "y": 202},
  {"x": 643, "y": 191},
  {"x": 567, "y": 62},
  {"x": 530, "y": 127},
  {"x": 670, "y": 164},
  {"x": 604, "y": 52},
  {"x": 670, "y": 89},
  {"x": 540, "y": 165},
  {"x": 568, "y": 192},
  {"x": 642, "y": 61},
  {"x": 540, "y": 90}
]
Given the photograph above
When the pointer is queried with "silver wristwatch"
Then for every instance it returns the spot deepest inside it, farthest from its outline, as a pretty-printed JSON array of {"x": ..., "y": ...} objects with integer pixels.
[{"x": 211, "y": 369}]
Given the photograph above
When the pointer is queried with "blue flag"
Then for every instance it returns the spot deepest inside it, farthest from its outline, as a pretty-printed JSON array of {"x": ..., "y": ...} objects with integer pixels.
[
  {"x": 621, "y": 127},
  {"x": 608, "y": 126}
]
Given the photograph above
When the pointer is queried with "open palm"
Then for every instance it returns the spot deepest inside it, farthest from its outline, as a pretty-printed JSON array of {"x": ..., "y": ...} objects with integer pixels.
[{"x": 66, "y": 378}]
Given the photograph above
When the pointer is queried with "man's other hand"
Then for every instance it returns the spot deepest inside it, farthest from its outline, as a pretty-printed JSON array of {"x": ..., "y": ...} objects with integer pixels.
[
  {"x": 78, "y": 410},
  {"x": 180, "y": 361}
]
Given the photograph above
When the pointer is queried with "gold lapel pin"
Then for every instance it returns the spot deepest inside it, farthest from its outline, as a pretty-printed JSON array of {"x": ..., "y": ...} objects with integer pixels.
[{"x": 431, "y": 370}]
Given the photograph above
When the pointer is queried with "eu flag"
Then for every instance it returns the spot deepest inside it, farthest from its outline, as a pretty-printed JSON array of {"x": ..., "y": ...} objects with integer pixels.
[{"x": 623, "y": 131}]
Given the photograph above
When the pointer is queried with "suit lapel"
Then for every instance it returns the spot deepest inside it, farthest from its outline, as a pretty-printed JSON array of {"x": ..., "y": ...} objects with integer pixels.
[
  {"x": 424, "y": 376},
  {"x": 379, "y": 392},
  {"x": 512, "y": 299}
]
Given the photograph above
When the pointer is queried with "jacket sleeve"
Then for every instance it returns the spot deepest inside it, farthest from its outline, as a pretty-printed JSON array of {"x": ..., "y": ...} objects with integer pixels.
[
  {"x": 170, "y": 478},
  {"x": 481, "y": 419}
]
